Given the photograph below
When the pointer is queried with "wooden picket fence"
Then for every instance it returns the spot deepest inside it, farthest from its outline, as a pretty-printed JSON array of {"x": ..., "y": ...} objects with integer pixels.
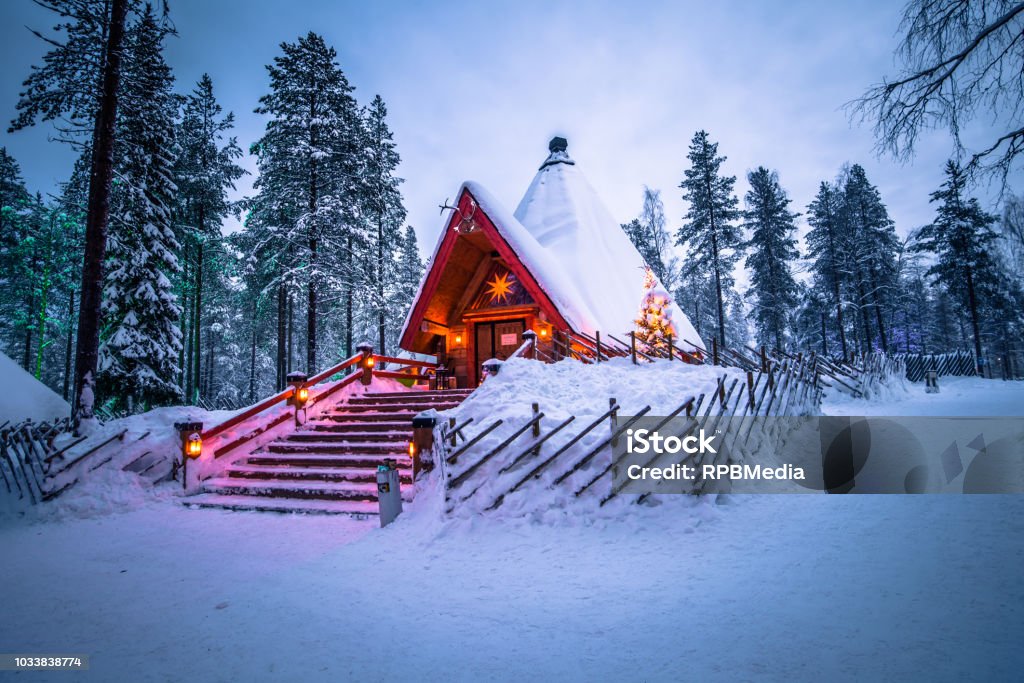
[
  {"x": 957, "y": 363},
  {"x": 534, "y": 455}
]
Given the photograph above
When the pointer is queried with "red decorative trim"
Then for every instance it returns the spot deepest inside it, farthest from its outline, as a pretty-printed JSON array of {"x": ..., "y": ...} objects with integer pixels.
[{"x": 437, "y": 267}]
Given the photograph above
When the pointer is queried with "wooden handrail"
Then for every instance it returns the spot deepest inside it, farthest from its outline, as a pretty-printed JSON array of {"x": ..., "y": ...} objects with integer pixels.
[
  {"x": 279, "y": 397},
  {"x": 321, "y": 376},
  {"x": 411, "y": 362},
  {"x": 246, "y": 414}
]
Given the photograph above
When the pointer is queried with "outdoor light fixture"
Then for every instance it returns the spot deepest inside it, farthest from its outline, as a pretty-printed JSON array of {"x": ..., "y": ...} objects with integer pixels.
[
  {"x": 302, "y": 395},
  {"x": 369, "y": 361},
  {"x": 194, "y": 446},
  {"x": 458, "y": 339},
  {"x": 543, "y": 331},
  {"x": 412, "y": 449}
]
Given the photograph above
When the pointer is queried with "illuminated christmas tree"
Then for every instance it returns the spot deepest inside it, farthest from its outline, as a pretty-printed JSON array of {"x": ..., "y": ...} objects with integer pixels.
[{"x": 654, "y": 324}]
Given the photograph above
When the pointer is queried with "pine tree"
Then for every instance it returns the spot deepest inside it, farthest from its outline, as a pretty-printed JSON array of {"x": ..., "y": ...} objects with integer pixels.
[
  {"x": 654, "y": 322},
  {"x": 651, "y": 238},
  {"x": 139, "y": 357},
  {"x": 308, "y": 160},
  {"x": 204, "y": 173},
  {"x": 826, "y": 247},
  {"x": 79, "y": 82},
  {"x": 771, "y": 250},
  {"x": 710, "y": 233},
  {"x": 962, "y": 239},
  {"x": 410, "y": 272},
  {"x": 383, "y": 209},
  {"x": 16, "y": 218},
  {"x": 871, "y": 241}
]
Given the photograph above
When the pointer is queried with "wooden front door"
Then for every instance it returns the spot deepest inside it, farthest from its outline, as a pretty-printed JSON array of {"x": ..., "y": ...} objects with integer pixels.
[{"x": 497, "y": 339}]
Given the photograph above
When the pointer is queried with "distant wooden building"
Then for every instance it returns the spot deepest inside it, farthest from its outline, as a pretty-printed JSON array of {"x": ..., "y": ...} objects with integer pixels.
[{"x": 561, "y": 262}]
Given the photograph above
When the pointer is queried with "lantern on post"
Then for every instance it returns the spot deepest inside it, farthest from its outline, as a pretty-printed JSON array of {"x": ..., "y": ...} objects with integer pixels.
[
  {"x": 366, "y": 363},
  {"x": 300, "y": 395},
  {"x": 422, "y": 442},
  {"x": 191, "y": 435}
]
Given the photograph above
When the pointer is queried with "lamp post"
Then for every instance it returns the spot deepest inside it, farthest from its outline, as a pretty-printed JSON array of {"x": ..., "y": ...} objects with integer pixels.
[
  {"x": 191, "y": 435},
  {"x": 366, "y": 363},
  {"x": 300, "y": 395}
]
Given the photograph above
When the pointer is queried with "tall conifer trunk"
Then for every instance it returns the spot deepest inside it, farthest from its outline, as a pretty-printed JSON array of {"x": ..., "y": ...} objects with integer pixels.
[{"x": 98, "y": 215}]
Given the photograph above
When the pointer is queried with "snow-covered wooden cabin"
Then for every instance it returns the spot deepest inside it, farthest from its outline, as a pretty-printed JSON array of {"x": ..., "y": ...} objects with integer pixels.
[{"x": 559, "y": 263}]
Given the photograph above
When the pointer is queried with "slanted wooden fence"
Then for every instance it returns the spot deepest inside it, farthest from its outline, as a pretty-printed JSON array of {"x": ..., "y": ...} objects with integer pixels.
[
  {"x": 34, "y": 468},
  {"x": 573, "y": 457}
]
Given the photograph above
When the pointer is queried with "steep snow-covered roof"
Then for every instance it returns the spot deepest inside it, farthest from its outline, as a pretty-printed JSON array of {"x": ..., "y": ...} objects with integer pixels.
[
  {"x": 569, "y": 242},
  {"x": 571, "y": 224},
  {"x": 24, "y": 397}
]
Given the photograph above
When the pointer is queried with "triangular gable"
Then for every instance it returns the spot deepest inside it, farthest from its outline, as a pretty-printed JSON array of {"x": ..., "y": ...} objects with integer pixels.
[{"x": 471, "y": 215}]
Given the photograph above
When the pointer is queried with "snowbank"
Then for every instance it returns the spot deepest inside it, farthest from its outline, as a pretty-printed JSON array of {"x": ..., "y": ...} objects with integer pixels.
[
  {"x": 957, "y": 397},
  {"x": 561, "y": 390},
  {"x": 23, "y": 397}
]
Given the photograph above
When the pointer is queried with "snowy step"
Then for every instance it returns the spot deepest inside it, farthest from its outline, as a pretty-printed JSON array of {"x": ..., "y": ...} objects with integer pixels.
[
  {"x": 371, "y": 448},
  {"x": 354, "y": 474},
  {"x": 320, "y": 490},
  {"x": 404, "y": 417},
  {"x": 385, "y": 402},
  {"x": 356, "y": 508},
  {"x": 350, "y": 436},
  {"x": 399, "y": 394},
  {"x": 359, "y": 408},
  {"x": 341, "y": 427},
  {"x": 315, "y": 460},
  {"x": 350, "y": 426}
]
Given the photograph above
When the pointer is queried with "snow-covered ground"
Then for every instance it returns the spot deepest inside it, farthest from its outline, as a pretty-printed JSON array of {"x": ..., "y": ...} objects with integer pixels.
[
  {"x": 778, "y": 588},
  {"x": 960, "y": 396},
  {"x": 788, "y": 588}
]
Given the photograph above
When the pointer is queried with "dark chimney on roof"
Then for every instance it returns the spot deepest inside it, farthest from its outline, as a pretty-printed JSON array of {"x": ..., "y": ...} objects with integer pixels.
[
  {"x": 557, "y": 155},
  {"x": 558, "y": 144}
]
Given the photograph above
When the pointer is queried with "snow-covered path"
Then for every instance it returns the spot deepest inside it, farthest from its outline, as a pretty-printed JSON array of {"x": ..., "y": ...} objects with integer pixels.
[
  {"x": 785, "y": 587},
  {"x": 960, "y": 396}
]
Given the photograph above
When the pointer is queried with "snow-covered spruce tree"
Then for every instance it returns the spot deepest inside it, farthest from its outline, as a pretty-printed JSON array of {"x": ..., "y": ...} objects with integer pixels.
[
  {"x": 695, "y": 295},
  {"x": 826, "y": 249},
  {"x": 654, "y": 321},
  {"x": 383, "y": 209},
  {"x": 204, "y": 173},
  {"x": 651, "y": 238},
  {"x": 409, "y": 273},
  {"x": 78, "y": 88},
  {"x": 54, "y": 261},
  {"x": 258, "y": 300},
  {"x": 138, "y": 365},
  {"x": 1011, "y": 230},
  {"x": 710, "y": 233},
  {"x": 309, "y": 157},
  {"x": 962, "y": 239},
  {"x": 870, "y": 255},
  {"x": 771, "y": 250},
  {"x": 16, "y": 218}
]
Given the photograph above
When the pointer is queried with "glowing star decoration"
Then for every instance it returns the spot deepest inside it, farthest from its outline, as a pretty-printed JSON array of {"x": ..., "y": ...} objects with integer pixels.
[{"x": 500, "y": 287}]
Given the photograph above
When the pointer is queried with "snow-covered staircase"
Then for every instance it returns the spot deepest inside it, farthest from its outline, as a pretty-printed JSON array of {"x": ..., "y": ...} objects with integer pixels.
[{"x": 330, "y": 464}]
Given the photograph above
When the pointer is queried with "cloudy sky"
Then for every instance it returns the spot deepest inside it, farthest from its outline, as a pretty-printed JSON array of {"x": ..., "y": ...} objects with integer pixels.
[{"x": 476, "y": 89}]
